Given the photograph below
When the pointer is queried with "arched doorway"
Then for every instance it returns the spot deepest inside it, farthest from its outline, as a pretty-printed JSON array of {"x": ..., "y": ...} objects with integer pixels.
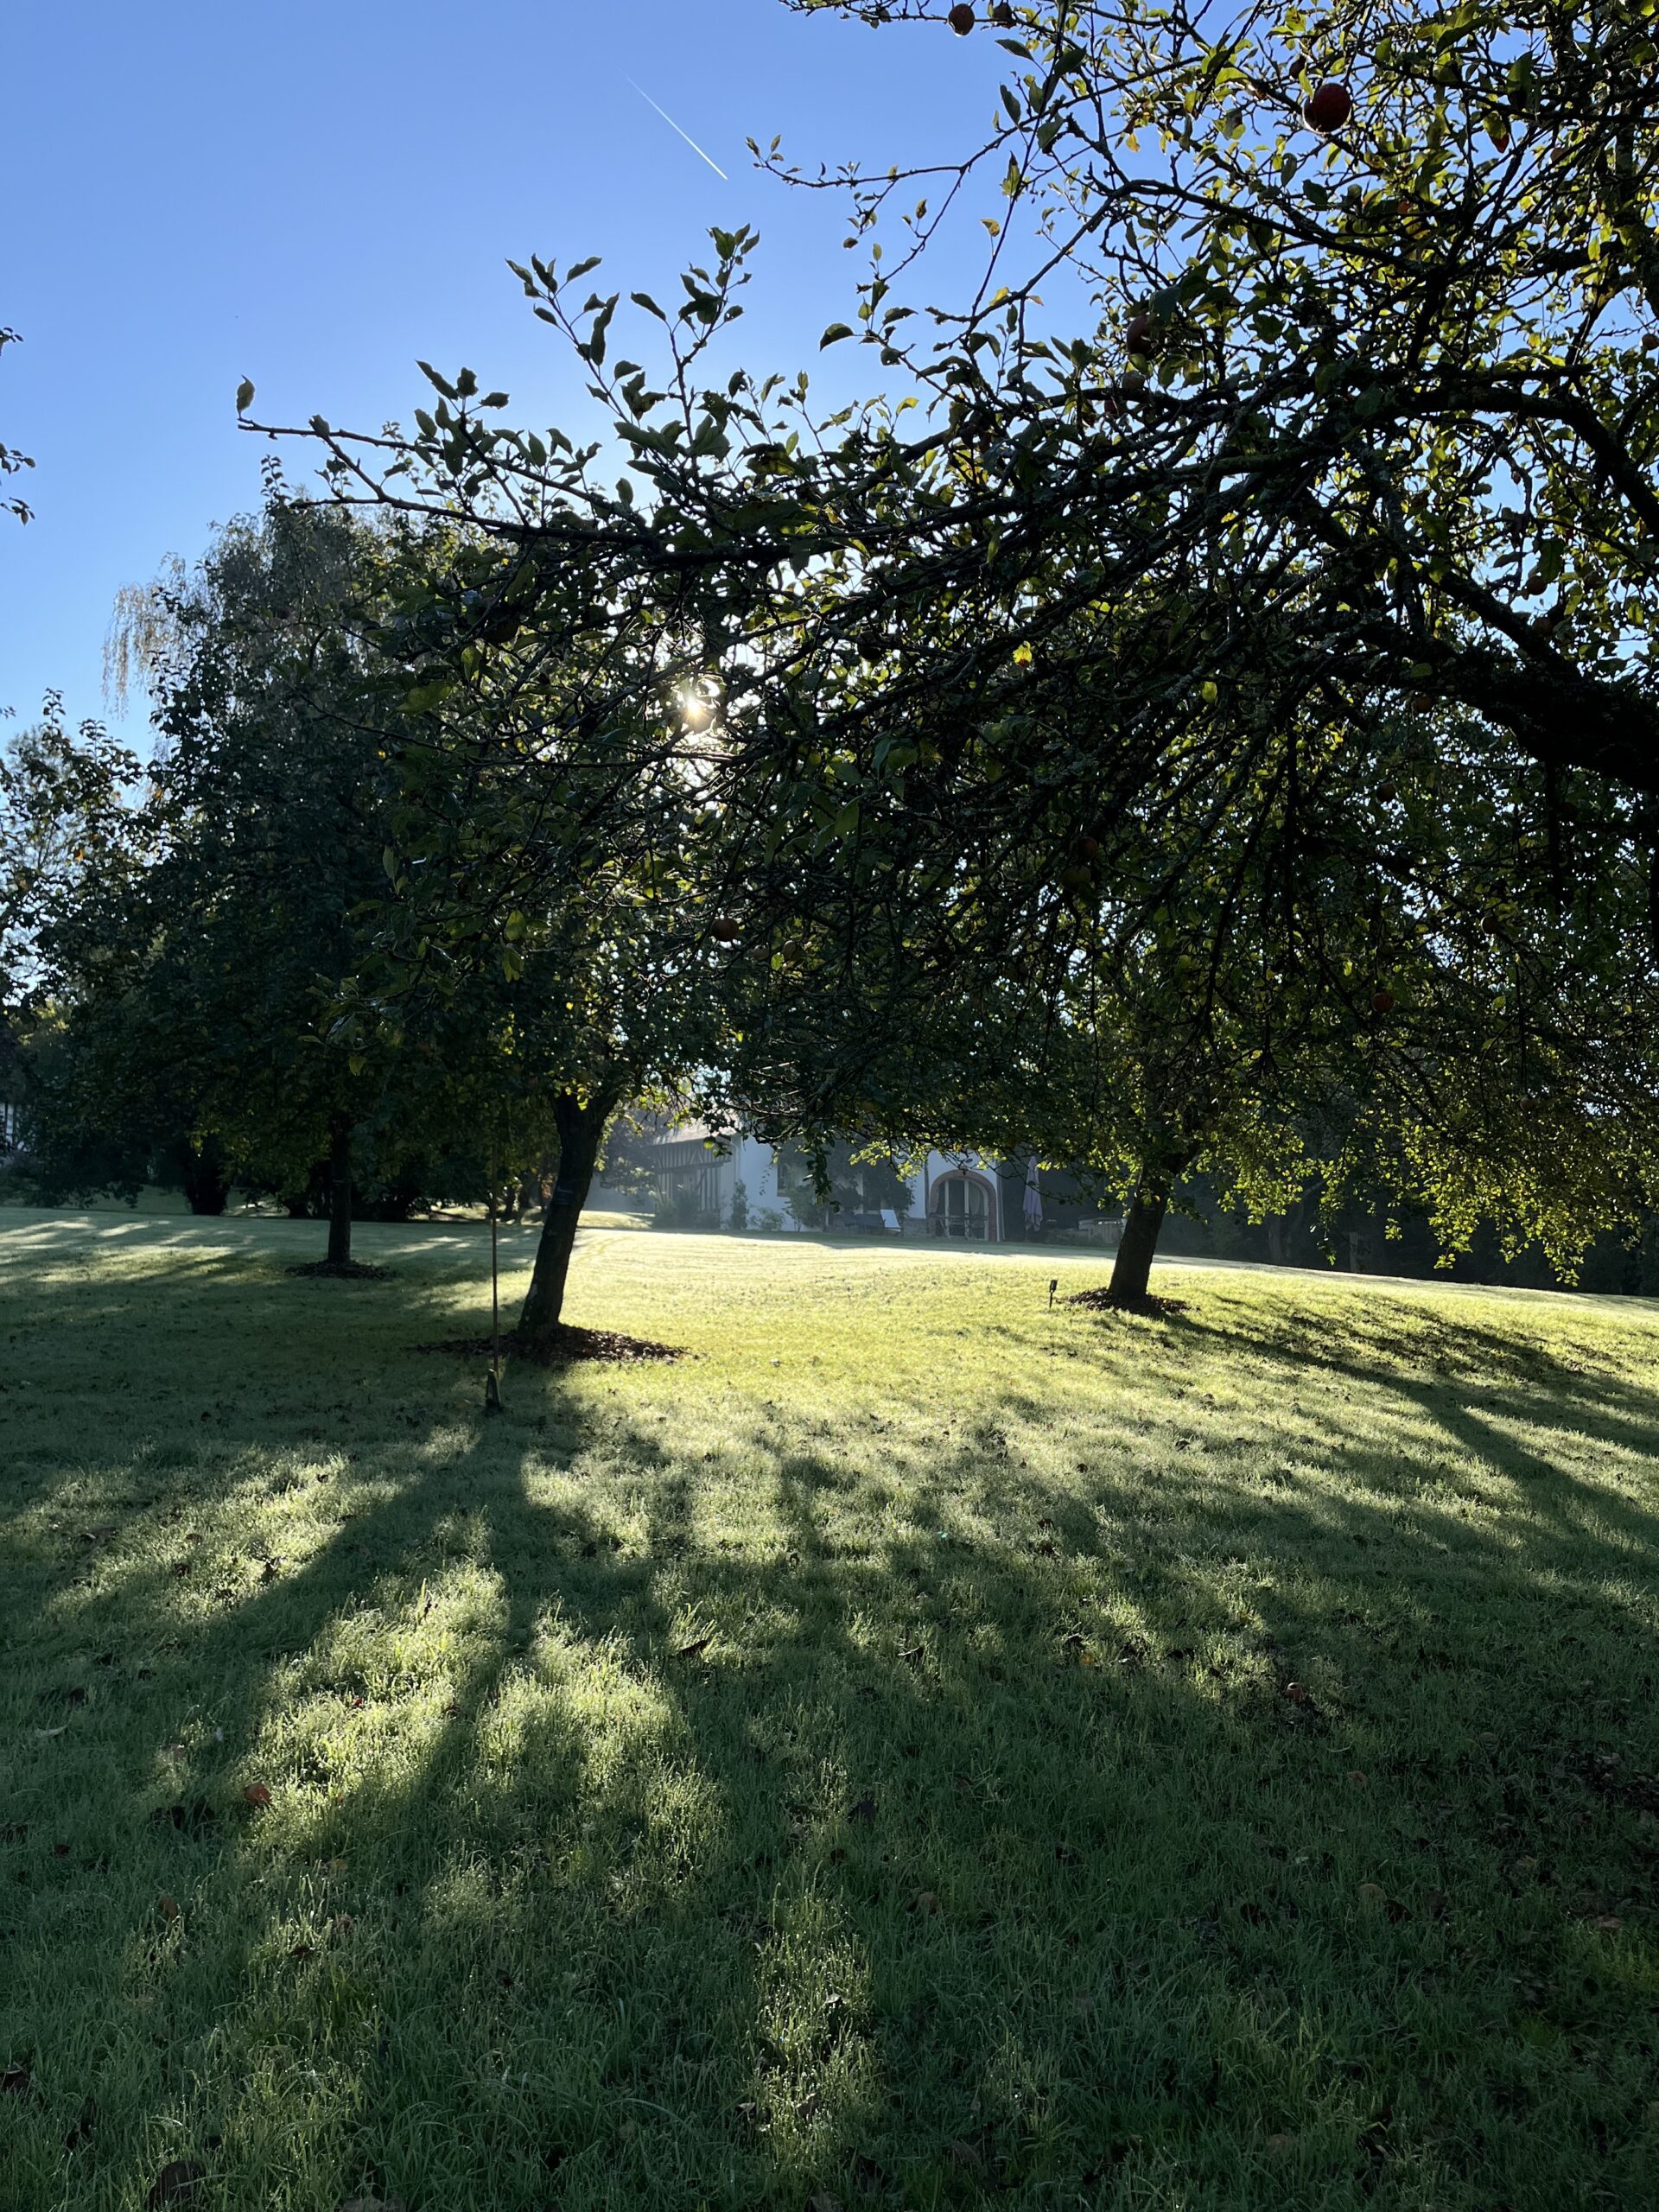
[{"x": 964, "y": 1205}]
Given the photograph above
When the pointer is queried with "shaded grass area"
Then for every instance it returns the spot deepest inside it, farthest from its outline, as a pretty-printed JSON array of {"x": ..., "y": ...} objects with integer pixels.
[{"x": 920, "y": 1748}]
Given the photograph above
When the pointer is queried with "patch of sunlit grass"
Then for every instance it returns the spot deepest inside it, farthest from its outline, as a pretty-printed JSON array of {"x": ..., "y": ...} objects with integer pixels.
[{"x": 922, "y": 1747}]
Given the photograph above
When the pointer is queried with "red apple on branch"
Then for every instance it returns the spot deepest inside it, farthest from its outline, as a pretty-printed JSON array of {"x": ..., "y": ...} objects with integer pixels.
[
  {"x": 1329, "y": 107},
  {"x": 961, "y": 19}
]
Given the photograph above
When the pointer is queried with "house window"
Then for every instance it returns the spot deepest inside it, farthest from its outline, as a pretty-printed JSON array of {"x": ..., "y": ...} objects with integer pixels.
[{"x": 963, "y": 1206}]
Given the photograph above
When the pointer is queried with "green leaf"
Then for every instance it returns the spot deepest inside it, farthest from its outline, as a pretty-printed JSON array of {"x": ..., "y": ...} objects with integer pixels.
[
  {"x": 834, "y": 334},
  {"x": 430, "y": 694}
]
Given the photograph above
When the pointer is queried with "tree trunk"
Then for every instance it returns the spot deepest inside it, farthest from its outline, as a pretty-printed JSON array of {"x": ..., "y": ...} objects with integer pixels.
[
  {"x": 205, "y": 1188},
  {"x": 581, "y": 1130},
  {"x": 339, "y": 1194},
  {"x": 1132, "y": 1269}
]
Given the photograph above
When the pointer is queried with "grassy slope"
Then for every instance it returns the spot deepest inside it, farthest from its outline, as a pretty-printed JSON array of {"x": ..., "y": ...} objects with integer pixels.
[{"x": 980, "y": 1847}]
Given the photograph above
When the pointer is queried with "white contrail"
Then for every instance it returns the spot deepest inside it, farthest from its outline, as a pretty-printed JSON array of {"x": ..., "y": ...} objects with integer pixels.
[{"x": 686, "y": 135}]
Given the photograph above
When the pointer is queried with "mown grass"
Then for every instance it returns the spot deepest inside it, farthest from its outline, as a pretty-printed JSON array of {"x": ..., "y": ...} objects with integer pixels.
[{"x": 858, "y": 1764}]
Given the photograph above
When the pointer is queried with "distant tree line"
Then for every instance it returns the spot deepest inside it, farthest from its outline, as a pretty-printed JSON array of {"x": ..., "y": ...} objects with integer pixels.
[{"x": 1211, "y": 747}]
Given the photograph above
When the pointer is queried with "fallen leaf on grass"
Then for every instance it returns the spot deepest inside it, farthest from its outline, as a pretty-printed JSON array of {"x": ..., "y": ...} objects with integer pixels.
[
  {"x": 50, "y": 1731},
  {"x": 863, "y": 1811},
  {"x": 1372, "y": 1890},
  {"x": 256, "y": 1794},
  {"x": 341, "y": 1926},
  {"x": 1358, "y": 1780},
  {"x": 303, "y": 1951},
  {"x": 925, "y": 1903},
  {"x": 1298, "y": 1692},
  {"x": 1280, "y": 2147},
  {"x": 176, "y": 2183},
  {"x": 166, "y": 1907},
  {"x": 694, "y": 1651},
  {"x": 1609, "y": 1922},
  {"x": 1396, "y": 1911}
]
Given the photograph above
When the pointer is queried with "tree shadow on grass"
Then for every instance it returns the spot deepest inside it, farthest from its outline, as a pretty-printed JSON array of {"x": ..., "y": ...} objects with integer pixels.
[{"x": 909, "y": 1817}]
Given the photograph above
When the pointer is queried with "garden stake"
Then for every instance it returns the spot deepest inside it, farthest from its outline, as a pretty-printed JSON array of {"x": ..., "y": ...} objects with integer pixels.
[{"x": 492, "y": 1380}]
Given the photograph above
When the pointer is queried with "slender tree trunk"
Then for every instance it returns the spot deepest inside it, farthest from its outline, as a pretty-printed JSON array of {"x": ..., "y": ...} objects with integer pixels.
[
  {"x": 581, "y": 1130},
  {"x": 206, "y": 1189},
  {"x": 1132, "y": 1269},
  {"x": 339, "y": 1194}
]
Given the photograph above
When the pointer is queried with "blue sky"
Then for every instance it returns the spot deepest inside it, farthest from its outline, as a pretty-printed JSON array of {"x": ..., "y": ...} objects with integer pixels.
[{"x": 316, "y": 195}]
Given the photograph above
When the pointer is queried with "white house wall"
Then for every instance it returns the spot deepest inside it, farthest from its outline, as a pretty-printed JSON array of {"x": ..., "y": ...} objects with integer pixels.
[{"x": 755, "y": 1166}]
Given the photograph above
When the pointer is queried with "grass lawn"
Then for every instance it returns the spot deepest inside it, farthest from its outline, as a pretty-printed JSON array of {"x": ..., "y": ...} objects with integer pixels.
[{"x": 921, "y": 1750}]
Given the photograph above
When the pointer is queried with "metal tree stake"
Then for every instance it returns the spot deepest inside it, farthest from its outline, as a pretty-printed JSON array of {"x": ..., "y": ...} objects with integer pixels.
[{"x": 492, "y": 1380}]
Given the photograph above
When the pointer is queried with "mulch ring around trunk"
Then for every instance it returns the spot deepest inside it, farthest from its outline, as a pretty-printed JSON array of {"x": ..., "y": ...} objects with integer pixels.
[
  {"x": 562, "y": 1347},
  {"x": 345, "y": 1271},
  {"x": 1103, "y": 1301}
]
